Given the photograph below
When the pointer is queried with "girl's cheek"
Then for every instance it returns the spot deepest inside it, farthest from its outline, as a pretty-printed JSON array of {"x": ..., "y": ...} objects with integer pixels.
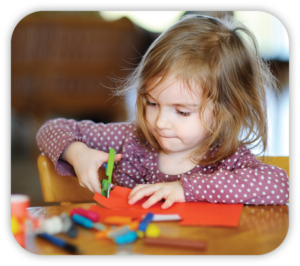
[{"x": 150, "y": 116}]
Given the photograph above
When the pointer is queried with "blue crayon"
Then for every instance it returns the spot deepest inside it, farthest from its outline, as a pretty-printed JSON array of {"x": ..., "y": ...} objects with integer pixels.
[
  {"x": 85, "y": 222},
  {"x": 144, "y": 223}
]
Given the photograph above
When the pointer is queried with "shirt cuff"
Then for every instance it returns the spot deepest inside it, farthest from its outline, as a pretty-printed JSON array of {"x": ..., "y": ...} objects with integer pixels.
[
  {"x": 187, "y": 188},
  {"x": 63, "y": 167}
]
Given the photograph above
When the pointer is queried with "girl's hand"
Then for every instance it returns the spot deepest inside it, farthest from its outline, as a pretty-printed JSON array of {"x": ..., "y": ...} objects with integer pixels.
[
  {"x": 86, "y": 163},
  {"x": 171, "y": 192}
]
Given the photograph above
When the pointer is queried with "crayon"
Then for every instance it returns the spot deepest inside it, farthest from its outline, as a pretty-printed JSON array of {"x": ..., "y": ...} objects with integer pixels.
[
  {"x": 126, "y": 238},
  {"x": 144, "y": 223},
  {"x": 93, "y": 216},
  {"x": 116, "y": 232},
  {"x": 117, "y": 220},
  {"x": 174, "y": 242},
  {"x": 59, "y": 242},
  {"x": 87, "y": 223}
]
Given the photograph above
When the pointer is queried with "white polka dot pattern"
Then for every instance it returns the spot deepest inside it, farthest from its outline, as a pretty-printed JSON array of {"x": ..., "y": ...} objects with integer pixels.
[{"x": 240, "y": 178}]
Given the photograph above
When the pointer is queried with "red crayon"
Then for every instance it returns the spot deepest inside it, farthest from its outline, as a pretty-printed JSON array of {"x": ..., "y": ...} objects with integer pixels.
[
  {"x": 176, "y": 242},
  {"x": 93, "y": 216}
]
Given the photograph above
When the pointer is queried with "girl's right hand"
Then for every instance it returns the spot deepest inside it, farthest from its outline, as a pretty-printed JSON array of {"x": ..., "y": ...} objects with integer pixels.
[{"x": 86, "y": 163}]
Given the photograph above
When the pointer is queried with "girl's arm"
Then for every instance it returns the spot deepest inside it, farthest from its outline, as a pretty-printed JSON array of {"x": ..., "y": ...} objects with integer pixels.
[
  {"x": 55, "y": 136},
  {"x": 240, "y": 178}
]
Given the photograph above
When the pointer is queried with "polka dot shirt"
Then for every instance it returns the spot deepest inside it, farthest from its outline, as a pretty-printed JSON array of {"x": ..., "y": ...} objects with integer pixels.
[{"x": 239, "y": 178}]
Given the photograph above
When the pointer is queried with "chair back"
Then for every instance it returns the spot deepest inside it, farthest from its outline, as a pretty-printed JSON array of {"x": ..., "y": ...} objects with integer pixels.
[
  {"x": 62, "y": 189},
  {"x": 280, "y": 161}
]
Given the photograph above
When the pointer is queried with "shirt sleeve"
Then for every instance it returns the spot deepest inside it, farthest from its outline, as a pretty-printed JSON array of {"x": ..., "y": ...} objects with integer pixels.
[
  {"x": 56, "y": 135},
  {"x": 241, "y": 180}
]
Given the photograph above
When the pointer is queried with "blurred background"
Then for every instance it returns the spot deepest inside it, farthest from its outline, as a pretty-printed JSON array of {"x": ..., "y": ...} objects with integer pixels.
[{"x": 63, "y": 64}]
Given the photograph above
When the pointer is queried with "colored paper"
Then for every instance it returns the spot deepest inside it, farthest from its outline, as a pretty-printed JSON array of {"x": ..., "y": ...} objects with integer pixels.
[{"x": 192, "y": 213}]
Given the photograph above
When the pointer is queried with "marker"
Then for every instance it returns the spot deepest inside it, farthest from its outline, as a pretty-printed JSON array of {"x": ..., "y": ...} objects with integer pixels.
[
  {"x": 87, "y": 223},
  {"x": 144, "y": 223},
  {"x": 69, "y": 227},
  {"x": 175, "y": 242},
  {"x": 93, "y": 216},
  {"x": 59, "y": 243}
]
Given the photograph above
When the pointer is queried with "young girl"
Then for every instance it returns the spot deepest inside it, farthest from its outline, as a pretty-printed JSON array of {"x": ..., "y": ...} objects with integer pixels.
[{"x": 201, "y": 101}]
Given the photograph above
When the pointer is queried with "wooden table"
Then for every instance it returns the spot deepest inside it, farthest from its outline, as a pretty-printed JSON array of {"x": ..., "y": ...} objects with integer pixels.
[{"x": 261, "y": 230}]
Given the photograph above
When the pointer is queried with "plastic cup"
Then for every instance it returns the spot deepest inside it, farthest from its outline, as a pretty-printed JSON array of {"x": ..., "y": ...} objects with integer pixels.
[{"x": 19, "y": 205}]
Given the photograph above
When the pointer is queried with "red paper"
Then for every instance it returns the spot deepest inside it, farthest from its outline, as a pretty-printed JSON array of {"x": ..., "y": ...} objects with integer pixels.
[{"x": 192, "y": 213}]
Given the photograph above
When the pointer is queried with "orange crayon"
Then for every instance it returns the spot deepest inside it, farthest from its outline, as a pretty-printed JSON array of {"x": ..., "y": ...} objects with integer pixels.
[
  {"x": 118, "y": 231},
  {"x": 117, "y": 220}
]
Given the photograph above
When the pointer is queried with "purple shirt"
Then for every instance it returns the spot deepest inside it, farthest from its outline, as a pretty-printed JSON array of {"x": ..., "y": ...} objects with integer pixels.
[{"x": 239, "y": 178}]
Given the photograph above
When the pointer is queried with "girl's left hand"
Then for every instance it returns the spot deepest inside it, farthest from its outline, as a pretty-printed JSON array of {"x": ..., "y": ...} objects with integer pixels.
[{"x": 171, "y": 192}]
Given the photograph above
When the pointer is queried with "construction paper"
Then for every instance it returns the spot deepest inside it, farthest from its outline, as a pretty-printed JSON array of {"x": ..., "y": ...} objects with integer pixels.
[
  {"x": 133, "y": 214},
  {"x": 192, "y": 213}
]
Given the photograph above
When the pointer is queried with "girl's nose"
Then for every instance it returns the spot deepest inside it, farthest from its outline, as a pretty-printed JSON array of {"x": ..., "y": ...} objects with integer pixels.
[{"x": 162, "y": 121}]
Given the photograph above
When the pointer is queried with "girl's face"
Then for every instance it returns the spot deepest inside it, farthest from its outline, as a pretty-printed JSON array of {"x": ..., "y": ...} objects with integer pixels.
[{"x": 173, "y": 115}]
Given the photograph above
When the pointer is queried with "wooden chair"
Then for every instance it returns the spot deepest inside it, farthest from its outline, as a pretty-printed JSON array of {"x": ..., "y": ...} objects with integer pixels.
[
  {"x": 66, "y": 189},
  {"x": 62, "y": 189},
  {"x": 280, "y": 161}
]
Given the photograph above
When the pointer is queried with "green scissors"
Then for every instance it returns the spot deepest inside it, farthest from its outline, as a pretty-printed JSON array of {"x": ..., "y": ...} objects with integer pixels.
[{"x": 106, "y": 183}]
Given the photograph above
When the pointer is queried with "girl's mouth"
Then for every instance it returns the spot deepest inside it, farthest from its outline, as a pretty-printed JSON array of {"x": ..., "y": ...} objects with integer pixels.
[{"x": 166, "y": 137}]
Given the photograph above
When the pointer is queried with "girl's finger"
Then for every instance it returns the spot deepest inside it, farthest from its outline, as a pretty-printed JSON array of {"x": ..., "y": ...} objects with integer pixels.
[
  {"x": 81, "y": 184},
  {"x": 103, "y": 157},
  {"x": 88, "y": 186},
  {"x": 135, "y": 189},
  {"x": 169, "y": 202},
  {"x": 157, "y": 196},
  {"x": 143, "y": 192},
  {"x": 118, "y": 157},
  {"x": 95, "y": 183}
]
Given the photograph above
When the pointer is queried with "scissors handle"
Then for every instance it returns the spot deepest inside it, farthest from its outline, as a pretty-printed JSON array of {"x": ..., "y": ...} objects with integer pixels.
[{"x": 110, "y": 164}]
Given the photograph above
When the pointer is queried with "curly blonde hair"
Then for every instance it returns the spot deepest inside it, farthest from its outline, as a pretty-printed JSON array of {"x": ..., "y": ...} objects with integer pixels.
[{"x": 221, "y": 55}]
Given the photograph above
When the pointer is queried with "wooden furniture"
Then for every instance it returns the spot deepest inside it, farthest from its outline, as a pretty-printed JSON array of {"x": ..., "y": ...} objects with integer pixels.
[
  {"x": 280, "y": 161},
  {"x": 63, "y": 189},
  {"x": 261, "y": 230}
]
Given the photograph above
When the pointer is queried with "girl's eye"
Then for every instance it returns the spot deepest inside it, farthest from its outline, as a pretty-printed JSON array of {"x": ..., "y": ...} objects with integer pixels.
[
  {"x": 183, "y": 113},
  {"x": 150, "y": 103}
]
